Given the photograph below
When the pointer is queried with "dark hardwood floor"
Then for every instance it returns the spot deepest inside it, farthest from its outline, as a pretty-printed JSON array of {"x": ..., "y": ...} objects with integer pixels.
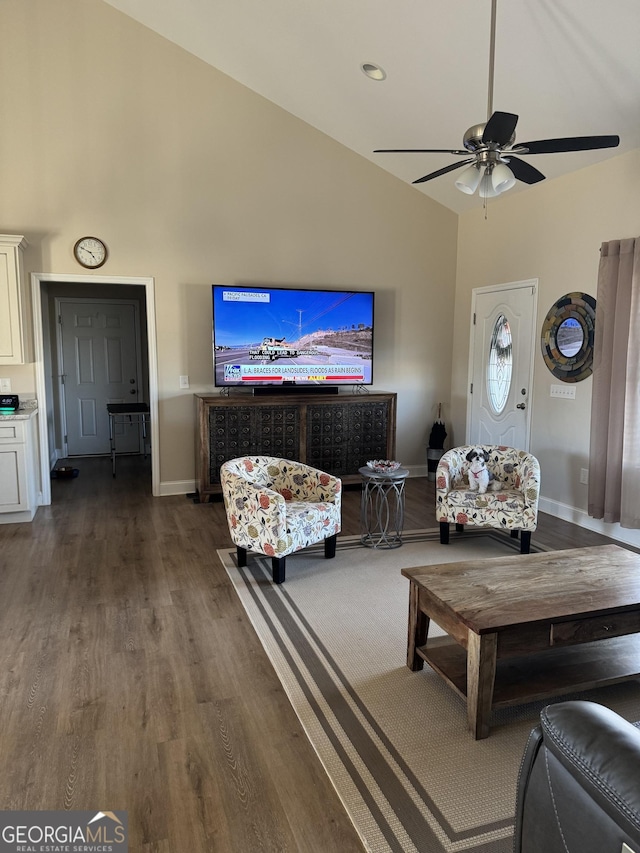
[{"x": 130, "y": 677}]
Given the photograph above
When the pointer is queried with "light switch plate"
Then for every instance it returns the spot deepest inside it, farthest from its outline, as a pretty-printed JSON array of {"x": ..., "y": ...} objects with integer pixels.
[
  {"x": 5, "y": 386},
  {"x": 568, "y": 392},
  {"x": 184, "y": 381}
]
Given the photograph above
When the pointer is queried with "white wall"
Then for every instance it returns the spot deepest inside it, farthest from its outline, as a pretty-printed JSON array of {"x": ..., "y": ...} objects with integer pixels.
[{"x": 552, "y": 232}]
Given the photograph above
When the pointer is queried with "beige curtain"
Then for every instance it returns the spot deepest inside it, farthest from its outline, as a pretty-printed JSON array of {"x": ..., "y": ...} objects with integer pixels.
[{"x": 614, "y": 458}]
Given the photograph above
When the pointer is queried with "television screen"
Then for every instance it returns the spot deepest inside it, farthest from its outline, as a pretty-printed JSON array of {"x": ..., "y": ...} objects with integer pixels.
[{"x": 272, "y": 336}]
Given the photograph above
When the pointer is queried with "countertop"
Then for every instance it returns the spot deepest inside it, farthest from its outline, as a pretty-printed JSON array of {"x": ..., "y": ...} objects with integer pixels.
[{"x": 26, "y": 410}]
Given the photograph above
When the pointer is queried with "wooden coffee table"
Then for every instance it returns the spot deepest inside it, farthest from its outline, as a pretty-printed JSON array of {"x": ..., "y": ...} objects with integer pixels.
[{"x": 527, "y": 626}]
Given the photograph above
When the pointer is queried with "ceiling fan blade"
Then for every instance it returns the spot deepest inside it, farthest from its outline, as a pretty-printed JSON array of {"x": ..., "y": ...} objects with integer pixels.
[
  {"x": 570, "y": 143},
  {"x": 500, "y": 128},
  {"x": 418, "y": 151},
  {"x": 444, "y": 171},
  {"x": 524, "y": 171}
]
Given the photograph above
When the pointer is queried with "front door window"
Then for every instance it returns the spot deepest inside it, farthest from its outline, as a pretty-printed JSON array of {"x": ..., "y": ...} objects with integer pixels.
[{"x": 500, "y": 364}]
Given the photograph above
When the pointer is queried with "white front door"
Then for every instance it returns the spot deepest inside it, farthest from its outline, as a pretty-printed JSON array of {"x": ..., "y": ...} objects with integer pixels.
[
  {"x": 501, "y": 364},
  {"x": 100, "y": 362}
]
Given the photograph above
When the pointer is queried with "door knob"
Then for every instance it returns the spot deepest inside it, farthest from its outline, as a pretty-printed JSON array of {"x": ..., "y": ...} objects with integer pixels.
[{"x": 521, "y": 406}]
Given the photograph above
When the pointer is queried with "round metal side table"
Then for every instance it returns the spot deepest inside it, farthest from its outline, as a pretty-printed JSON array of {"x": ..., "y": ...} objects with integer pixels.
[{"x": 382, "y": 508}]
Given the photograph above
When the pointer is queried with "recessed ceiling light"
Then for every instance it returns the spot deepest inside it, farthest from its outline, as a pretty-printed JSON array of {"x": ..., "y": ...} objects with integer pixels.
[{"x": 373, "y": 71}]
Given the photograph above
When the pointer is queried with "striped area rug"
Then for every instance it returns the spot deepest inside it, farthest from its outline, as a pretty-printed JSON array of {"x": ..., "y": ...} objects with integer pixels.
[{"x": 394, "y": 742}]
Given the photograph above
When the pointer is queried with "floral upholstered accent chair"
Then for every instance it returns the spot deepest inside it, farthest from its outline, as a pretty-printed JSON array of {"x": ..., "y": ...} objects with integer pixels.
[
  {"x": 276, "y": 507},
  {"x": 513, "y": 506}
]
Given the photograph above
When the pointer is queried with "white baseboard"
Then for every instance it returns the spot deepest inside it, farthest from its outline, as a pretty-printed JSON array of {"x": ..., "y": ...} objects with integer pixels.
[
  {"x": 582, "y": 519},
  {"x": 176, "y": 487},
  {"x": 417, "y": 470},
  {"x": 184, "y": 487}
]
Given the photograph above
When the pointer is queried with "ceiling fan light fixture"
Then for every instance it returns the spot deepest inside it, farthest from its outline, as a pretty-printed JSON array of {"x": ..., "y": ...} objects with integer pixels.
[
  {"x": 469, "y": 179},
  {"x": 502, "y": 178},
  {"x": 374, "y": 72},
  {"x": 487, "y": 190}
]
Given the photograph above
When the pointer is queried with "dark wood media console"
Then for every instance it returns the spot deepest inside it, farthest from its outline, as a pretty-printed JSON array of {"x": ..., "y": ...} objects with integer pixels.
[{"x": 336, "y": 433}]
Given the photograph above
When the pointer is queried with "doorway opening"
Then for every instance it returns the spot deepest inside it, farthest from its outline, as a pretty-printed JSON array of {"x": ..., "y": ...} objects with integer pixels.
[{"x": 46, "y": 290}]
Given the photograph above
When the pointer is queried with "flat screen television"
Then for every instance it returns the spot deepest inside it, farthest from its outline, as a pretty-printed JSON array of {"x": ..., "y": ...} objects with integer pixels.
[{"x": 276, "y": 336}]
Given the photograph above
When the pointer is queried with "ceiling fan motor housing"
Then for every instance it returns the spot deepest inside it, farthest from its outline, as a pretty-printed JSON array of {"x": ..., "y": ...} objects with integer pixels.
[{"x": 472, "y": 139}]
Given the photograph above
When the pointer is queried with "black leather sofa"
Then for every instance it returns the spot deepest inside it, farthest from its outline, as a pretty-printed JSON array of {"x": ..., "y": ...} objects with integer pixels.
[{"x": 579, "y": 783}]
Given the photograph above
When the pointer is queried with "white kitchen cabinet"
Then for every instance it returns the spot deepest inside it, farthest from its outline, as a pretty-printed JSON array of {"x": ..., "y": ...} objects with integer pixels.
[
  {"x": 15, "y": 340},
  {"x": 18, "y": 468}
]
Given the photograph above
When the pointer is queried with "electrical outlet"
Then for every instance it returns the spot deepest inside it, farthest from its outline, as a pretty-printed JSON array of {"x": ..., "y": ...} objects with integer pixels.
[
  {"x": 568, "y": 392},
  {"x": 584, "y": 476},
  {"x": 184, "y": 381},
  {"x": 5, "y": 386}
]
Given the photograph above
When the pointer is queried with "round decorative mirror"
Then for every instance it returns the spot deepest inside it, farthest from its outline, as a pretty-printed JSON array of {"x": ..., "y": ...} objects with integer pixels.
[{"x": 567, "y": 337}]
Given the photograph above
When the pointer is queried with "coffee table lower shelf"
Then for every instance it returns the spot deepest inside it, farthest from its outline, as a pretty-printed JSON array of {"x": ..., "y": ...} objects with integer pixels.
[{"x": 554, "y": 672}]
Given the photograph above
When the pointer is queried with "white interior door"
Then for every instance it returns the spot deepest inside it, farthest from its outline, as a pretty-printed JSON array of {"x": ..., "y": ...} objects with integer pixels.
[
  {"x": 501, "y": 364},
  {"x": 100, "y": 358}
]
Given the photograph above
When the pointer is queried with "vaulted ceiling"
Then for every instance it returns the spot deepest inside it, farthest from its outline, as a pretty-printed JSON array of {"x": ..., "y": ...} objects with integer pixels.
[{"x": 566, "y": 67}]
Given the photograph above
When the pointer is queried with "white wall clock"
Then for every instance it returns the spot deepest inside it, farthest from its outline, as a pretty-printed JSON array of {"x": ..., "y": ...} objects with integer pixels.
[{"x": 91, "y": 252}]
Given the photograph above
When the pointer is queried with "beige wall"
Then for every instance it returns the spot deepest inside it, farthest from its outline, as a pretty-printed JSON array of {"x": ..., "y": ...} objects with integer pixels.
[
  {"x": 108, "y": 129},
  {"x": 552, "y": 232}
]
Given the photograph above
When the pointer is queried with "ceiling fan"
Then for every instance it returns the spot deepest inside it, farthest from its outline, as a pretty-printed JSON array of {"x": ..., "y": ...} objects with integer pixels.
[{"x": 495, "y": 164}]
